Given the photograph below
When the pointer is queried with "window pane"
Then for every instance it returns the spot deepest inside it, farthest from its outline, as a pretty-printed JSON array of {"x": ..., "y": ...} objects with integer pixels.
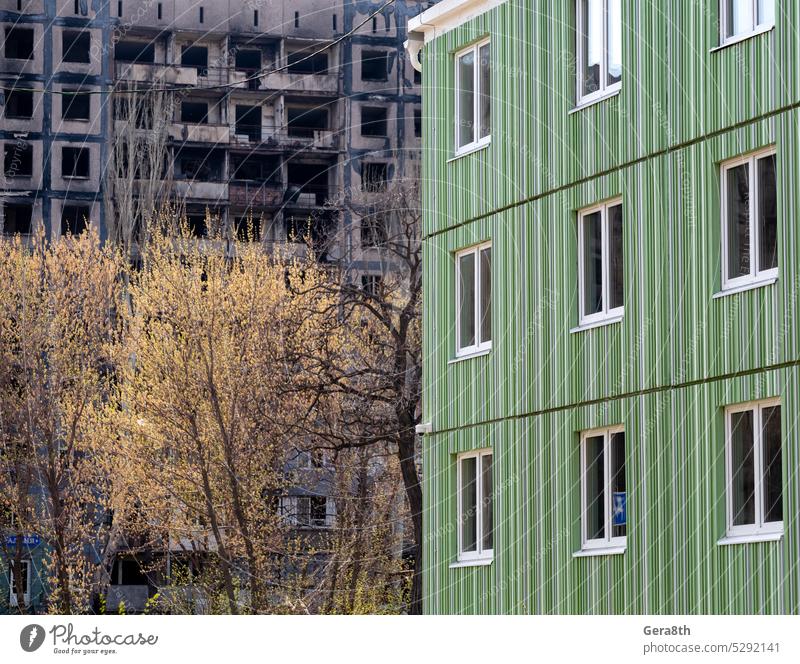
[
  {"x": 486, "y": 294},
  {"x": 615, "y": 256},
  {"x": 740, "y": 17},
  {"x": 767, "y": 215},
  {"x": 468, "y": 505},
  {"x": 466, "y": 99},
  {"x": 743, "y": 481},
  {"x": 619, "y": 497},
  {"x": 592, "y": 264},
  {"x": 466, "y": 285},
  {"x": 591, "y": 44},
  {"x": 595, "y": 491},
  {"x": 738, "y": 200},
  {"x": 614, "y": 61},
  {"x": 766, "y": 12},
  {"x": 488, "y": 503},
  {"x": 485, "y": 92},
  {"x": 773, "y": 482}
]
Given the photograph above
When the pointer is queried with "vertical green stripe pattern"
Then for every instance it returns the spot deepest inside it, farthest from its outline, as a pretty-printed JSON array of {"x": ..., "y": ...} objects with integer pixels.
[{"x": 665, "y": 372}]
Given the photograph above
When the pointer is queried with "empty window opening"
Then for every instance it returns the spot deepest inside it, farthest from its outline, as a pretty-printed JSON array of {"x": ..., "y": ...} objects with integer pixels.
[
  {"x": 17, "y": 218},
  {"x": 128, "y": 572},
  {"x": 248, "y": 229},
  {"x": 301, "y": 62},
  {"x": 195, "y": 112},
  {"x": 75, "y": 105},
  {"x": 371, "y": 284},
  {"x": 374, "y": 121},
  {"x": 373, "y": 176},
  {"x": 77, "y": 7},
  {"x": 374, "y": 66},
  {"x": 21, "y": 586},
  {"x": 417, "y": 122},
  {"x": 119, "y": 8},
  {"x": 256, "y": 168},
  {"x": 75, "y": 162},
  {"x": 304, "y": 121},
  {"x": 249, "y": 62},
  {"x": 199, "y": 164},
  {"x": 74, "y": 219},
  {"x": 75, "y": 46},
  {"x": 202, "y": 15},
  {"x": 374, "y": 24},
  {"x": 248, "y": 122},
  {"x": 374, "y": 230},
  {"x": 312, "y": 511},
  {"x": 255, "y": 18},
  {"x": 19, "y": 104},
  {"x": 19, "y": 43},
  {"x": 307, "y": 183},
  {"x": 334, "y": 22},
  {"x": 297, "y": 19},
  {"x": 197, "y": 57},
  {"x": 160, "y": 11},
  {"x": 134, "y": 51},
  {"x": 18, "y": 160},
  {"x": 197, "y": 224}
]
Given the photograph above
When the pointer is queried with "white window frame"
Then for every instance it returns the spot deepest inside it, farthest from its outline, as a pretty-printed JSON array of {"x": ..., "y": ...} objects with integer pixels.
[
  {"x": 477, "y": 141},
  {"x": 605, "y": 90},
  {"x": 480, "y": 554},
  {"x": 479, "y": 346},
  {"x": 756, "y": 275},
  {"x": 13, "y": 601},
  {"x": 755, "y": 29},
  {"x": 760, "y": 527},
  {"x": 606, "y": 314},
  {"x": 608, "y": 542}
]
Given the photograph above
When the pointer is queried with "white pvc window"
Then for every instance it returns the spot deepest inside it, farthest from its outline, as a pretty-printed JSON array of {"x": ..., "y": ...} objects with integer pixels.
[
  {"x": 473, "y": 96},
  {"x": 26, "y": 583},
  {"x": 475, "y": 505},
  {"x": 754, "y": 469},
  {"x": 474, "y": 300},
  {"x": 749, "y": 219},
  {"x": 599, "y": 48},
  {"x": 600, "y": 263},
  {"x": 743, "y": 17},
  {"x": 604, "y": 504}
]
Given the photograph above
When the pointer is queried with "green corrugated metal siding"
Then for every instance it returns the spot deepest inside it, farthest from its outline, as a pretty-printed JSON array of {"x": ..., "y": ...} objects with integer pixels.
[{"x": 667, "y": 370}]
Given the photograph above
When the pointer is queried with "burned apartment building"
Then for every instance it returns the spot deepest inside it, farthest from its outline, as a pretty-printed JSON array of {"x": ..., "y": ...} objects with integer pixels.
[
  {"x": 280, "y": 114},
  {"x": 282, "y": 118}
]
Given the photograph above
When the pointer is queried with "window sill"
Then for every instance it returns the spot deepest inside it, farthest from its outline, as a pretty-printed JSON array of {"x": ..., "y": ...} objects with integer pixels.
[
  {"x": 591, "y": 101},
  {"x": 750, "y": 285},
  {"x": 748, "y": 539},
  {"x": 471, "y": 149},
  {"x": 469, "y": 356},
  {"x": 607, "y": 551},
  {"x": 597, "y": 323},
  {"x": 476, "y": 562},
  {"x": 732, "y": 41}
]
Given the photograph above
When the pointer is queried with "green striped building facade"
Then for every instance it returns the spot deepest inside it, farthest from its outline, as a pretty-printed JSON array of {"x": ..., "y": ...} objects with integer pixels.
[{"x": 685, "y": 348}]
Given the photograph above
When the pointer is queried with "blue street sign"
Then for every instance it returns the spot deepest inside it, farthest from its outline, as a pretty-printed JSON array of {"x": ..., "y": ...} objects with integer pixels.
[
  {"x": 27, "y": 540},
  {"x": 619, "y": 508}
]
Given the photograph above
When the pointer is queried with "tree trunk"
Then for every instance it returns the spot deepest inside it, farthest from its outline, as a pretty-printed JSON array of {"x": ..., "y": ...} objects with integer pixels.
[{"x": 406, "y": 452}]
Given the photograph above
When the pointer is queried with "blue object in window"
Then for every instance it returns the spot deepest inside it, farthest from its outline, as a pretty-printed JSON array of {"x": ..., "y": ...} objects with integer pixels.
[{"x": 619, "y": 508}]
